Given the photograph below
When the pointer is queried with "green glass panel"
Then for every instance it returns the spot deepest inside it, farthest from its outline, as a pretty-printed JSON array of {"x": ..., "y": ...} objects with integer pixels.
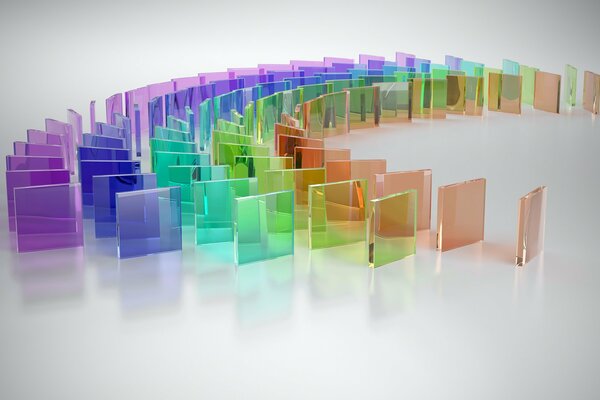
[
  {"x": 528, "y": 83},
  {"x": 249, "y": 119},
  {"x": 392, "y": 228},
  {"x": 310, "y": 92},
  {"x": 163, "y": 159},
  {"x": 213, "y": 202},
  {"x": 252, "y": 166},
  {"x": 205, "y": 123},
  {"x": 170, "y": 146},
  {"x": 263, "y": 226},
  {"x": 421, "y": 98},
  {"x": 570, "y": 86},
  {"x": 395, "y": 101},
  {"x": 439, "y": 71},
  {"x": 327, "y": 115},
  {"x": 439, "y": 89},
  {"x": 236, "y": 117},
  {"x": 228, "y": 151},
  {"x": 370, "y": 80},
  {"x": 226, "y": 137},
  {"x": 268, "y": 113},
  {"x": 510, "y": 67},
  {"x": 290, "y": 99},
  {"x": 364, "y": 108},
  {"x": 228, "y": 126},
  {"x": 339, "y": 85},
  {"x": 185, "y": 175},
  {"x": 472, "y": 68},
  {"x": 297, "y": 180},
  {"x": 337, "y": 213},
  {"x": 160, "y": 132}
]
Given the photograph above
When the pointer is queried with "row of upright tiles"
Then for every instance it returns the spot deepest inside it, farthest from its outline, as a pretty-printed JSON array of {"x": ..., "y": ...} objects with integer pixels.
[{"x": 242, "y": 158}]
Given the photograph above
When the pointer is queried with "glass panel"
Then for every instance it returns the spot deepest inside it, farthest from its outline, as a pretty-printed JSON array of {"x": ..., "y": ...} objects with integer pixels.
[
  {"x": 114, "y": 105},
  {"x": 510, "y": 67},
  {"x": 494, "y": 90},
  {"x": 22, "y": 178},
  {"x": 345, "y": 170},
  {"x": 268, "y": 112},
  {"x": 570, "y": 86},
  {"x": 298, "y": 180},
  {"x": 547, "y": 92},
  {"x": 405, "y": 59},
  {"x": 531, "y": 225},
  {"x": 205, "y": 122},
  {"x": 341, "y": 84},
  {"x": 76, "y": 122},
  {"x": 155, "y": 114},
  {"x": 296, "y": 82},
  {"x": 250, "y": 167},
  {"x": 287, "y": 144},
  {"x": 103, "y": 141},
  {"x": 486, "y": 83},
  {"x": 104, "y": 189},
  {"x": 227, "y": 126},
  {"x": 310, "y": 92},
  {"x": 41, "y": 137},
  {"x": 364, "y": 108},
  {"x": 474, "y": 95},
  {"x": 161, "y": 132},
  {"x": 281, "y": 129},
  {"x": 439, "y": 94},
  {"x": 455, "y": 99},
  {"x": 422, "y": 98},
  {"x": 163, "y": 159},
  {"x": 461, "y": 214},
  {"x": 249, "y": 123},
  {"x": 171, "y": 146},
  {"x": 472, "y": 68},
  {"x": 398, "y": 182},
  {"x": 528, "y": 83},
  {"x": 213, "y": 202},
  {"x": 227, "y": 137},
  {"x": 17, "y": 163},
  {"x": 392, "y": 228},
  {"x": 124, "y": 124},
  {"x": 90, "y": 168},
  {"x": 327, "y": 115},
  {"x": 337, "y": 214},
  {"x": 228, "y": 152},
  {"x": 591, "y": 92},
  {"x": 510, "y": 97},
  {"x": 34, "y": 149},
  {"x": 310, "y": 157},
  {"x": 101, "y": 153},
  {"x": 115, "y": 132},
  {"x": 62, "y": 128},
  {"x": 48, "y": 217},
  {"x": 93, "y": 116},
  {"x": 148, "y": 221},
  {"x": 395, "y": 101},
  {"x": 452, "y": 62},
  {"x": 263, "y": 227},
  {"x": 137, "y": 129}
]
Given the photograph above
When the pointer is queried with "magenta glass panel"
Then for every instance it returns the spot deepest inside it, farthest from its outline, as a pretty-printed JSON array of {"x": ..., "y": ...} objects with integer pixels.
[
  {"x": 65, "y": 129},
  {"x": 215, "y": 76},
  {"x": 114, "y": 105},
  {"x": 35, "y": 149},
  {"x": 329, "y": 61},
  {"x": 16, "y": 179},
  {"x": 15, "y": 163},
  {"x": 48, "y": 217},
  {"x": 76, "y": 121}
]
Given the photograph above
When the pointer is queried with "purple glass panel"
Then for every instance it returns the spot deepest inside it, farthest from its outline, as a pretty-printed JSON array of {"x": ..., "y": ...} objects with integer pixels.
[
  {"x": 276, "y": 67},
  {"x": 41, "y": 137},
  {"x": 114, "y": 132},
  {"x": 239, "y": 72},
  {"x": 422, "y": 65},
  {"x": 114, "y": 105},
  {"x": 76, "y": 121},
  {"x": 103, "y": 153},
  {"x": 304, "y": 80},
  {"x": 453, "y": 62},
  {"x": 140, "y": 97},
  {"x": 18, "y": 163},
  {"x": 138, "y": 130},
  {"x": 35, "y": 149},
  {"x": 176, "y": 102},
  {"x": 334, "y": 76},
  {"x": 281, "y": 75},
  {"x": 296, "y": 64},
  {"x": 65, "y": 129},
  {"x": 16, "y": 179},
  {"x": 186, "y": 82},
  {"x": 253, "y": 80},
  {"x": 227, "y": 85},
  {"x": 215, "y": 76},
  {"x": 159, "y": 90},
  {"x": 124, "y": 123},
  {"x": 103, "y": 141},
  {"x": 329, "y": 61},
  {"x": 311, "y": 71},
  {"x": 368, "y": 58},
  {"x": 342, "y": 67},
  {"x": 89, "y": 169},
  {"x": 155, "y": 115},
  {"x": 405, "y": 59},
  {"x": 48, "y": 217},
  {"x": 93, "y": 116}
]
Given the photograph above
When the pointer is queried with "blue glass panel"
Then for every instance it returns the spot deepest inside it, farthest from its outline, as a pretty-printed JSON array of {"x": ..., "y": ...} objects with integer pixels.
[
  {"x": 267, "y": 89},
  {"x": 103, "y": 141},
  {"x": 304, "y": 80},
  {"x": 88, "y": 169},
  {"x": 102, "y": 153}
]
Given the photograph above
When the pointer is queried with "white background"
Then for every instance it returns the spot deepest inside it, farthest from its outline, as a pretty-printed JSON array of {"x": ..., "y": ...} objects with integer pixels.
[{"x": 464, "y": 324}]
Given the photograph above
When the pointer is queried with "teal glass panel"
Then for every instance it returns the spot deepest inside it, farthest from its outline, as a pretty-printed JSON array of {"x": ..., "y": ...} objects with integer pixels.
[
  {"x": 162, "y": 161},
  {"x": 510, "y": 67}
]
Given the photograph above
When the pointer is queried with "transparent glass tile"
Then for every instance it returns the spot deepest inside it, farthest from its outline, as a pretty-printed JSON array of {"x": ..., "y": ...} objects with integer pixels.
[
  {"x": 17, "y": 163},
  {"x": 345, "y": 170},
  {"x": 286, "y": 144},
  {"x": 101, "y": 153},
  {"x": 76, "y": 121},
  {"x": 528, "y": 75},
  {"x": 255, "y": 166},
  {"x": 395, "y": 100},
  {"x": 570, "y": 86},
  {"x": 327, "y": 115},
  {"x": 392, "y": 228},
  {"x": 228, "y": 152},
  {"x": 164, "y": 159},
  {"x": 531, "y": 225},
  {"x": 148, "y": 221},
  {"x": 161, "y": 132},
  {"x": 591, "y": 92},
  {"x": 65, "y": 129},
  {"x": 460, "y": 214},
  {"x": 227, "y": 137},
  {"x": 439, "y": 94},
  {"x": 114, "y": 105},
  {"x": 310, "y": 157},
  {"x": 90, "y": 168},
  {"x": 457, "y": 86},
  {"x": 474, "y": 95},
  {"x": 103, "y": 141},
  {"x": 510, "y": 95},
  {"x": 547, "y": 92},
  {"x": 510, "y": 67},
  {"x": 364, "y": 108}
]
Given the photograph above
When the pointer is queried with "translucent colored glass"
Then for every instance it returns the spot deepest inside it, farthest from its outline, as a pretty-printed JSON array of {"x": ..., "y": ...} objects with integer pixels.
[
  {"x": 23, "y": 178},
  {"x": 395, "y": 100},
  {"x": 345, "y": 170},
  {"x": 287, "y": 144},
  {"x": 65, "y": 129},
  {"x": 124, "y": 123},
  {"x": 171, "y": 146},
  {"x": 299, "y": 81},
  {"x": 227, "y": 137},
  {"x": 155, "y": 114},
  {"x": 103, "y": 141},
  {"x": 114, "y": 105},
  {"x": 177, "y": 125},
  {"x": 486, "y": 82},
  {"x": 547, "y": 92},
  {"x": 115, "y": 132},
  {"x": 510, "y": 97},
  {"x": 252, "y": 166},
  {"x": 337, "y": 213},
  {"x": 41, "y": 137},
  {"x": 591, "y": 92},
  {"x": 205, "y": 123},
  {"x": 422, "y": 98},
  {"x": 310, "y": 157},
  {"x": 161, "y": 132},
  {"x": 528, "y": 75},
  {"x": 228, "y": 152},
  {"x": 263, "y": 226},
  {"x": 104, "y": 189},
  {"x": 327, "y": 115},
  {"x": 494, "y": 90},
  {"x": 237, "y": 118},
  {"x": 34, "y": 149},
  {"x": 268, "y": 113},
  {"x": 148, "y": 221},
  {"x": 76, "y": 121},
  {"x": 531, "y": 225},
  {"x": 48, "y": 217},
  {"x": 101, "y": 153},
  {"x": 16, "y": 163},
  {"x": 364, "y": 108},
  {"x": 213, "y": 202},
  {"x": 392, "y": 228},
  {"x": 510, "y": 67},
  {"x": 474, "y": 95},
  {"x": 398, "y": 182},
  {"x": 570, "y": 86},
  {"x": 249, "y": 122},
  {"x": 90, "y": 168},
  {"x": 455, "y": 99},
  {"x": 472, "y": 68},
  {"x": 297, "y": 180},
  {"x": 439, "y": 94},
  {"x": 452, "y": 62},
  {"x": 310, "y": 92},
  {"x": 405, "y": 59},
  {"x": 164, "y": 159},
  {"x": 228, "y": 126},
  {"x": 460, "y": 214}
]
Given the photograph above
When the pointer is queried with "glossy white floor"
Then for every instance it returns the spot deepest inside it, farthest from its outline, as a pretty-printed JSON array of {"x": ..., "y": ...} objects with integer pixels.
[{"x": 463, "y": 324}]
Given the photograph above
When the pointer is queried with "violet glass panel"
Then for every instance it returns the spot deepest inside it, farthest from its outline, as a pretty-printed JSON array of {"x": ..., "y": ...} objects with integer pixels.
[
  {"x": 137, "y": 119},
  {"x": 93, "y": 116},
  {"x": 48, "y": 217},
  {"x": 65, "y": 129},
  {"x": 227, "y": 85},
  {"x": 124, "y": 123},
  {"x": 34, "y": 149},
  {"x": 16, "y": 163},
  {"x": 114, "y": 132},
  {"x": 114, "y": 105},
  {"x": 103, "y": 153},
  {"x": 16, "y": 179},
  {"x": 155, "y": 115},
  {"x": 103, "y": 141},
  {"x": 329, "y": 61},
  {"x": 76, "y": 121},
  {"x": 405, "y": 59},
  {"x": 186, "y": 82},
  {"x": 41, "y": 137}
]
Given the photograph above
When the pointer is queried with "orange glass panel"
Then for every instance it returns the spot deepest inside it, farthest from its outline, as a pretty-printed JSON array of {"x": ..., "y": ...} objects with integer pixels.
[
  {"x": 510, "y": 94},
  {"x": 474, "y": 95},
  {"x": 286, "y": 144},
  {"x": 398, "y": 182},
  {"x": 287, "y": 130},
  {"x": 531, "y": 225},
  {"x": 494, "y": 90},
  {"x": 591, "y": 92},
  {"x": 312, "y": 157},
  {"x": 461, "y": 214},
  {"x": 288, "y": 120},
  {"x": 546, "y": 95},
  {"x": 344, "y": 170}
]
